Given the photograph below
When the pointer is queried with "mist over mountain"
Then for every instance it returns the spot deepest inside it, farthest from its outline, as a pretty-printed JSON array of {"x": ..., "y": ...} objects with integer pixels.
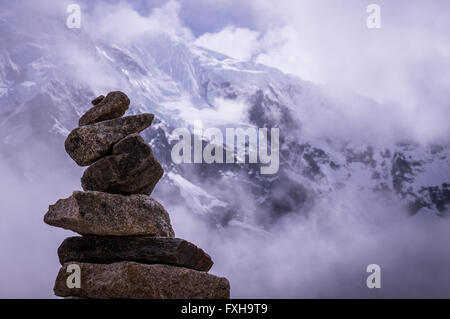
[{"x": 355, "y": 184}]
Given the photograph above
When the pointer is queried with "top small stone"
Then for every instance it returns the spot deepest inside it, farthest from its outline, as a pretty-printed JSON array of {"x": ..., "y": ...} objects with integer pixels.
[
  {"x": 110, "y": 107},
  {"x": 97, "y": 100}
]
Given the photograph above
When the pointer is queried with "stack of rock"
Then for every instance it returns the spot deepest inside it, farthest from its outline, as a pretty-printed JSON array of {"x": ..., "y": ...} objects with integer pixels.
[{"x": 127, "y": 248}]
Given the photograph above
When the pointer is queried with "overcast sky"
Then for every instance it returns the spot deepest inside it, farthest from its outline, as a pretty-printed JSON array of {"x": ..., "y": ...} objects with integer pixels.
[
  {"x": 324, "y": 41},
  {"x": 327, "y": 41},
  {"x": 405, "y": 63}
]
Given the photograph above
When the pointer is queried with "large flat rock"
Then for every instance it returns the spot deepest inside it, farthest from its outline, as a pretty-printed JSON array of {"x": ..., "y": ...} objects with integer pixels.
[
  {"x": 146, "y": 250},
  {"x": 131, "y": 169},
  {"x": 132, "y": 280},
  {"x": 97, "y": 213},
  {"x": 112, "y": 106},
  {"x": 87, "y": 144}
]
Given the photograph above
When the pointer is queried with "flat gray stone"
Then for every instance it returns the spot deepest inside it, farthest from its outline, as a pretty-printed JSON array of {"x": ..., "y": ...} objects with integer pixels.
[
  {"x": 130, "y": 280},
  {"x": 97, "y": 213},
  {"x": 145, "y": 250}
]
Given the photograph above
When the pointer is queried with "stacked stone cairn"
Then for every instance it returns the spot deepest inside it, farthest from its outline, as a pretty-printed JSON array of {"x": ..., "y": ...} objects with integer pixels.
[{"x": 128, "y": 248}]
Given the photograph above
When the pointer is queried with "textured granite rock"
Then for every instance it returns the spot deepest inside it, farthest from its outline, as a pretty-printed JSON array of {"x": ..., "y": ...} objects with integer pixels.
[
  {"x": 132, "y": 169},
  {"x": 139, "y": 281},
  {"x": 89, "y": 143},
  {"x": 114, "y": 105},
  {"x": 145, "y": 250},
  {"x": 97, "y": 213}
]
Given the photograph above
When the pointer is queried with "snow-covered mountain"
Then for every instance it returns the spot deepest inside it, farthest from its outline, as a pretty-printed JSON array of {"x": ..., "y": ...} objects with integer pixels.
[{"x": 48, "y": 79}]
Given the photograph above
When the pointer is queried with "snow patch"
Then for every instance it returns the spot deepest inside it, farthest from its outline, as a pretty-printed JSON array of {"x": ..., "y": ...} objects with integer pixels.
[{"x": 196, "y": 195}]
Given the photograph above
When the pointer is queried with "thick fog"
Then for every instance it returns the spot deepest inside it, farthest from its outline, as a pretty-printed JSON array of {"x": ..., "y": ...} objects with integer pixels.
[{"x": 323, "y": 254}]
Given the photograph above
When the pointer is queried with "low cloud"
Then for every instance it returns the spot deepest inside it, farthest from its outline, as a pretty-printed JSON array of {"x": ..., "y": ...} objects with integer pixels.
[
  {"x": 122, "y": 23},
  {"x": 403, "y": 65},
  {"x": 326, "y": 254},
  {"x": 238, "y": 43}
]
